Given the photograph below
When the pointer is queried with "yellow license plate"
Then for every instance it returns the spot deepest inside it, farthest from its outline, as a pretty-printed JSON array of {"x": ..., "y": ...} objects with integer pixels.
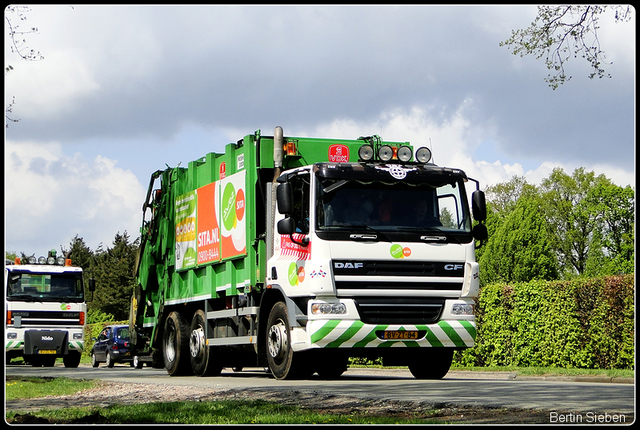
[
  {"x": 400, "y": 335},
  {"x": 47, "y": 351}
]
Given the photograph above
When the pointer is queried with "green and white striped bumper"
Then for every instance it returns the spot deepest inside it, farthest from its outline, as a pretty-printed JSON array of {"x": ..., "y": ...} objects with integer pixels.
[
  {"x": 356, "y": 334},
  {"x": 13, "y": 344}
]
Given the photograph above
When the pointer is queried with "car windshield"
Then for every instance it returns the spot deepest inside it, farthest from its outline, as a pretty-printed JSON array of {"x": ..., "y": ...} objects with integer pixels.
[
  {"x": 45, "y": 287},
  {"x": 391, "y": 206}
]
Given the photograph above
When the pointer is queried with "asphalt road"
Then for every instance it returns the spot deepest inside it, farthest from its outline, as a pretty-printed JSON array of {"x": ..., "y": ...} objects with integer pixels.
[{"x": 478, "y": 389}]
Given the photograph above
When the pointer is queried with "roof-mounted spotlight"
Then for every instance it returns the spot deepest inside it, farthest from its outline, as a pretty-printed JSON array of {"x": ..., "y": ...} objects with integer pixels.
[
  {"x": 404, "y": 154},
  {"x": 365, "y": 152},
  {"x": 385, "y": 153},
  {"x": 423, "y": 155}
]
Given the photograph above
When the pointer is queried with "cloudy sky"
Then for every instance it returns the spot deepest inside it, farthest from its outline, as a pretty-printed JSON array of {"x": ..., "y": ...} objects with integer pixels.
[{"x": 123, "y": 91}]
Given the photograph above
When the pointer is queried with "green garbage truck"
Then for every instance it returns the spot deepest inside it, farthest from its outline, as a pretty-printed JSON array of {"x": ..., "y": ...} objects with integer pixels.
[{"x": 295, "y": 254}]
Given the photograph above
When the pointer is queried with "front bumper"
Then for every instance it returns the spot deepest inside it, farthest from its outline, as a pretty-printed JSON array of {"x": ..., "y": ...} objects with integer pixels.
[{"x": 334, "y": 333}]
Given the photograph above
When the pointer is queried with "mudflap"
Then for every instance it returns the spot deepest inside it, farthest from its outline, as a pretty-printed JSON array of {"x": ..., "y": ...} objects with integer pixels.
[{"x": 46, "y": 342}]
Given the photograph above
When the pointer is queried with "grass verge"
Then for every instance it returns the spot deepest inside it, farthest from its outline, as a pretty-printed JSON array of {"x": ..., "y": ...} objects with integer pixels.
[{"x": 218, "y": 412}]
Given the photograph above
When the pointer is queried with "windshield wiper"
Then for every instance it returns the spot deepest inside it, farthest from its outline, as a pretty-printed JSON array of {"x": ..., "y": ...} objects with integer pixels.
[
  {"x": 432, "y": 234},
  {"x": 373, "y": 235},
  {"x": 24, "y": 297}
]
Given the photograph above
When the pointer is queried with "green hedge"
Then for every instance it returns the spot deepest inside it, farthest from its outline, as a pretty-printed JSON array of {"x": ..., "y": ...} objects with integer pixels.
[{"x": 583, "y": 323}]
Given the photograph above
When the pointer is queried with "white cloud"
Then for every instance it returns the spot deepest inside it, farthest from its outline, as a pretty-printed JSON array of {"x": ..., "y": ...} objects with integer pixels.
[
  {"x": 52, "y": 197},
  {"x": 453, "y": 140}
]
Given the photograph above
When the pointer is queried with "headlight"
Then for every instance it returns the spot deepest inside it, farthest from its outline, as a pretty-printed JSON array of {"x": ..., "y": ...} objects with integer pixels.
[
  {"x": 42, "y": 260},
  {"x": 462, "y": 309},
  {"x": 328, "y": 308},
  {"x": 404, "y": 154},
  {"x": 385, "y": 153},
  {"x": 423, "y": 155},
  {"x": 77, "y": 336},
  {"x": 365, "y": 152}
]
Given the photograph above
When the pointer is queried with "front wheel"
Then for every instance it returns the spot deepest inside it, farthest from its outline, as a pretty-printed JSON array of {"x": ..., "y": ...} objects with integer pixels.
[
  {"x": 431, "y": 363},
  {"x": 72, "y": 359},
  {"x": 331, "y": 367},
  {"x": 175, "y": 342},
  {"x": 283, "y": 362},
  {"x": 94, "y": 360}
]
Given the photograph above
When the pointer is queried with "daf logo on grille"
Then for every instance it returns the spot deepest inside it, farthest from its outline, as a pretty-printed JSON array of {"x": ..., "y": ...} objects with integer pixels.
[
  {"x": 47, "y": 338},
  {"x": 348, "y": 265},
  {"x": 453, "y": 266}
]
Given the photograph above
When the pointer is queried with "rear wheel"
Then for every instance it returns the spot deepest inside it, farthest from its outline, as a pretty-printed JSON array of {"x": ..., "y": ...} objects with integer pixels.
[
  {"x": 431, "y": 363},
  {"x": 109, "y": 359},
  {"x": 175, "y": 342},
  {"x": 203, "y": 360},
  {"x": 136, "y": 363}
]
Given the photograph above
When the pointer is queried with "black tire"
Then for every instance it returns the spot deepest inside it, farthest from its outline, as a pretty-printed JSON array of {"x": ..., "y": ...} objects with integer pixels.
[
  {"x": 48, "y": 361},
  {"x": 203, "y": 359},
  {"x": 136, "y": 363},
  {"x": 330, "y": 366},
  {"x": 431, "y": 363},
  {"x": 283, "y": 363},
  {"x": 157, "y": 359},
  {"x": 72, "y": 359},
  {"x": 109, "y": 359},
  {"x": 175, "y": 345},
  {"x": 94, "y": 360}
]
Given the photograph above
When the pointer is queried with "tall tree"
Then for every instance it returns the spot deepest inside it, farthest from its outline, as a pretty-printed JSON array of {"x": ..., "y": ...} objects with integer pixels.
[
  {"x": 561, "y": 32},
  {"x": 79, "y": 253},
  {"x": 575, "y": 213},
  {"x": 114, "y": 277},
  {"x": 519, "y": 250},
  {"x": 615, "y": 207}
]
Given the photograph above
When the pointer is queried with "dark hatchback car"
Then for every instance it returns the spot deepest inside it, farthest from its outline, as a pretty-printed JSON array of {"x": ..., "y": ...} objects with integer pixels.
[{"x": 112, "y": 346}]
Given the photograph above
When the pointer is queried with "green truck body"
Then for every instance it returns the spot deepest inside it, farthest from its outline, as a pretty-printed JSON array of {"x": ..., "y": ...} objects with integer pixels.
[{"x": 244, "y": 260}]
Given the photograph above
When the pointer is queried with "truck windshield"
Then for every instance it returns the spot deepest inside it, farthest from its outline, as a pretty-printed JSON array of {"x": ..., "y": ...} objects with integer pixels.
[
  {"x": 392, "y": 210},
  {"x": 45, "y": 287}
]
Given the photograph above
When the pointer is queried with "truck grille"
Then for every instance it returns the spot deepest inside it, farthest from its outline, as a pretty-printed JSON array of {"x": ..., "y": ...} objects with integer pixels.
[
  {"x": 400, "y": 310},
  {"x": 48, "y": 318},
  {"x": 398, "y": 268}
]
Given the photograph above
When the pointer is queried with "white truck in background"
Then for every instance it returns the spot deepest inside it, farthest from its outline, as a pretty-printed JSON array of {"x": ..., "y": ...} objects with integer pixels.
[{"x": 45, "y": 310}]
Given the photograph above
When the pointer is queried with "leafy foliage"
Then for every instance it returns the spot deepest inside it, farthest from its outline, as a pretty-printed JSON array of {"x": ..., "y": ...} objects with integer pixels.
[
  {"x": 113, "y": 271},
  {"x": 519, "y": 249},
  {"x": 583, "y": 323},
  {"x": 571, "y": 225},
  {"x": 561, "y": 32}
]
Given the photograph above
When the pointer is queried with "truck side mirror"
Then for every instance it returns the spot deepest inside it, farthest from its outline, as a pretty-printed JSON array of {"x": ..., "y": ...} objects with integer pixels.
[
  {"x": 284, "y": 196},
  {"x": 92, "y": 288},
  {"x": 480, "y": 232},
  {"x": 286, "y": 226},
  {"x": 478, "y": 206}
]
